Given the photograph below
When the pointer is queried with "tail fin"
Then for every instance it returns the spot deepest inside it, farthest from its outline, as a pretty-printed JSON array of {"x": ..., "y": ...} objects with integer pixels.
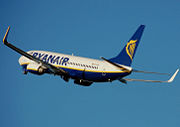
[{"x": 126, "y": 56}]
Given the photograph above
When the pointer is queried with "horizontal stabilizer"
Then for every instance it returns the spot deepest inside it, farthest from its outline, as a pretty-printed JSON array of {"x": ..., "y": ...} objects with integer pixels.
[
  {"x": 141, "y": 80},
  {"x": 122, "y": 67}
]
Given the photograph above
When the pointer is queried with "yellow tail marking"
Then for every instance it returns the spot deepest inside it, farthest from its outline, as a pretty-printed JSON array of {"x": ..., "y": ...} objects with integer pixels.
[{"x": 131, "y": 45}]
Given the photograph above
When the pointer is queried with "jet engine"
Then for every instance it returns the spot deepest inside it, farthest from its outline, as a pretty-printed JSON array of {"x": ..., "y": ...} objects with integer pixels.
[{"x": 36, "y": 68}]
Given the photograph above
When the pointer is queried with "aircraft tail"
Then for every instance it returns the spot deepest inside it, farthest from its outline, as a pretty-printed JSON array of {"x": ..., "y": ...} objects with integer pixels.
[{"x": 126, "y": 56}]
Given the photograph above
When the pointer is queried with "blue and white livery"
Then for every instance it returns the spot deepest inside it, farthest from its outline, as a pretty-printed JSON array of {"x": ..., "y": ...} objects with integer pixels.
[{"x": 84, "y": 71}]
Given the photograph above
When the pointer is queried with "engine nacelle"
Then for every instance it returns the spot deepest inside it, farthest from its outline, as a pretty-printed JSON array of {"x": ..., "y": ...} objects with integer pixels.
[
  {"x": 82, "y": 82},
  {"x": 35, "y": 68}
]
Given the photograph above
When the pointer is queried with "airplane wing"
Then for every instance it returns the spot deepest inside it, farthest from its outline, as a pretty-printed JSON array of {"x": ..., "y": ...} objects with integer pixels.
[
  {"x": 124, "y": 80},
  {"x": 53, "y": 69},
  {"x": 129, "y": 69}
]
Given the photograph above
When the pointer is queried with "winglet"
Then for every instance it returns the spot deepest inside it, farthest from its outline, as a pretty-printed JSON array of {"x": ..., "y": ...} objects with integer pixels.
[
  {"x": 6, "y": 35},
  {"x": 174, "y": 75}
]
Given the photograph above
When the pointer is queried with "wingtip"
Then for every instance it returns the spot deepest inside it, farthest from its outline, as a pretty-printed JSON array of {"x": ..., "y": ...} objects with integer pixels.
[
  {"x": 6, "y": 35},
  {"x": 174, "y": 75}
]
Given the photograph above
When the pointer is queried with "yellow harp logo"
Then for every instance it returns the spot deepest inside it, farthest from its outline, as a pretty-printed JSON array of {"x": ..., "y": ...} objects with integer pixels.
[{"x": 131, "y": 45}]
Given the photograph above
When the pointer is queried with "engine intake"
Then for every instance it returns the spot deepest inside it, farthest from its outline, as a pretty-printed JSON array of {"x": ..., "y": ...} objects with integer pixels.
[{"x": 35, "y": 68}]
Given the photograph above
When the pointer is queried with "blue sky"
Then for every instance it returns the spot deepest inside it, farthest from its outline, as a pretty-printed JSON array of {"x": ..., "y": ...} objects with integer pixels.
[{"x": 91, "y": 29}]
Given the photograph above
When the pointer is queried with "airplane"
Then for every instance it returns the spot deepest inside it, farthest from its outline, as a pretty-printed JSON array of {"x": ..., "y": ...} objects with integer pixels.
[{"x": 84, "y": 71}]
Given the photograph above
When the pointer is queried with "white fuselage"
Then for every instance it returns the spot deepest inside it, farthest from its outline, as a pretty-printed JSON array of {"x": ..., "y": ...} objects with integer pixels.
[{"x": 74, "y": 64}]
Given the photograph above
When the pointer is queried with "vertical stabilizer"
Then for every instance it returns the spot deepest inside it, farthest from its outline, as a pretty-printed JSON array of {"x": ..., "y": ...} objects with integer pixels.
[{"x": 126, "y": 56}]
